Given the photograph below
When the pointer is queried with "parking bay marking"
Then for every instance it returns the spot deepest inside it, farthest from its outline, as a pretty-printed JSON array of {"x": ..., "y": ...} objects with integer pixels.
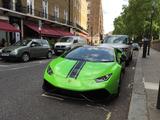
[
  {"x": 50, "y": 96},
  {"x": 150, "y": 85}
]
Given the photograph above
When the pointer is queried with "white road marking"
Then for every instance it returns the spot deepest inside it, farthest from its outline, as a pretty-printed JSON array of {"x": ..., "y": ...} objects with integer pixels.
[
  {"x": 18, "y": 68},
  {"x": 49, "y": 96},
  {"x": 4, "y": 66},
  {"x": 108, "y": 116},
  {"x": 151, "y": 86}
]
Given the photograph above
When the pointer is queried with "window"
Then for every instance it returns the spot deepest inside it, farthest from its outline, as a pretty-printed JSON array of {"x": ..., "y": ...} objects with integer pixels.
[
  {"x": 65, "y": 16},
  {"x": 56, "y": 13},
  {"x": 30, "y": 7},
  {"x": 45, "y": 8},
  {"x": 13, "y": 4}
]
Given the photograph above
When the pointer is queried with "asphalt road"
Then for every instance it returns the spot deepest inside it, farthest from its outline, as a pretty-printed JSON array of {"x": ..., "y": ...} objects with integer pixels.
[{"x": 21, "y": 96}]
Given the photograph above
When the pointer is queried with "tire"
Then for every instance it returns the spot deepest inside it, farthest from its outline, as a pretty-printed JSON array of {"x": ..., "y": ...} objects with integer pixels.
[
  {"x": 119, "y": 86},
  {"x": 25, "y": 57},
  {"x": 49, "y": 55},
  {"x": 47, "y": 87}
]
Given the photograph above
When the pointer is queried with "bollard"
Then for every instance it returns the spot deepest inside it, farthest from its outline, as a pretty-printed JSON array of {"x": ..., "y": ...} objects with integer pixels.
[
  {"x": 158, "y": 98},
  {"x": 145, "y": 44}
]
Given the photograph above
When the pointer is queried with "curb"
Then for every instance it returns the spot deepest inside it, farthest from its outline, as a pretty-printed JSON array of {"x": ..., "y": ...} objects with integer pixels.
[{"x": 138, "y": 104}]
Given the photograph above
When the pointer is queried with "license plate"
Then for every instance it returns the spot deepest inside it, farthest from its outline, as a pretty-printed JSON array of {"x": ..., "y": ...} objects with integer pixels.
[
  {"x": 59, "y": 50},
  {"x": 5, "y": 54}
]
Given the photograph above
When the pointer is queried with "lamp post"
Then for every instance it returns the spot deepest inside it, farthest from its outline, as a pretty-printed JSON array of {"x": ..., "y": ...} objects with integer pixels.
[{"x": 151, "y": 25}]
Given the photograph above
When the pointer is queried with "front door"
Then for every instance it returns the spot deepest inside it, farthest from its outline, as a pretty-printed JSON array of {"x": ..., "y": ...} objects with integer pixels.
[{"x": 35, "y": 50}]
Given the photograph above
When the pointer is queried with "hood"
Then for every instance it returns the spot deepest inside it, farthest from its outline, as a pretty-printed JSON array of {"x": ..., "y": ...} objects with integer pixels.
[
  {"x": 115, "y": 45},
  {"x": 63, "y": 43},
  {"x": 89, "y": 70},
  {"x": 11, "y": 48},
  {"x": 93, "y": 70}
]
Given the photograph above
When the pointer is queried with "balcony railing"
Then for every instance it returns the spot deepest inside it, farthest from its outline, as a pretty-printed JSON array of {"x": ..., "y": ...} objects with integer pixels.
[{"x": 29, "y": 10}]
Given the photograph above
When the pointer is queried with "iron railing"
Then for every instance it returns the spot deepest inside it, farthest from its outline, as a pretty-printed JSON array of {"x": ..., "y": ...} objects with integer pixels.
[{"x": 39, "y": 13}]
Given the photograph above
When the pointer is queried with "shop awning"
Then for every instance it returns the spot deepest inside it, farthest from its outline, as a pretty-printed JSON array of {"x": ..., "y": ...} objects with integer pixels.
[
  {"x": 48, "y": 31},
  {"x": 5, "y": 26}
]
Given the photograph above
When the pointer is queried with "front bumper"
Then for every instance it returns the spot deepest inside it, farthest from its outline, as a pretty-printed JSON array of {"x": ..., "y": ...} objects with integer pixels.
[
  {"x": 100, "y": 94},
  {"x": 81, "y": 85},
  {"x": 61, "y": 50},
  {"x": 9, "y": 56}
]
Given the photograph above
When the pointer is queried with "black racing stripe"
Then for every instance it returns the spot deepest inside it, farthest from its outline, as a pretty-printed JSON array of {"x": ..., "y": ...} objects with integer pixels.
[
  {"x": 72, "y": 69},
  {"x": 80, "y": 70},
  {"x": 75, "y": 72}
]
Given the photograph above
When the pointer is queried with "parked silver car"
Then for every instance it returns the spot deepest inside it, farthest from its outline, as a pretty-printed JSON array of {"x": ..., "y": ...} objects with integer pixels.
[{"x": 121, "y": 42}]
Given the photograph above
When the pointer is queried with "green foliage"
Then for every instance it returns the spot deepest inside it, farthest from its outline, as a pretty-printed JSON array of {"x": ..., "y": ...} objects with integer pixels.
[{"x": 135, "y": 20}]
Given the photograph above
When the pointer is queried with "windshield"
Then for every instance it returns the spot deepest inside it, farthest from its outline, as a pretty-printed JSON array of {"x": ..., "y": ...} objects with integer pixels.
[
  {"x": 66, "y": 39},
  {"x": 92, "y": 54},
  {"x": 22, "y": 43},
  {"x": 115, "y": 39}
]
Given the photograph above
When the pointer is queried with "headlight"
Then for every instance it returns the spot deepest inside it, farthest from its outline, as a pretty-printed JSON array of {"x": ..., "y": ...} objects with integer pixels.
[
  {"x": 104, "y": 78},
  {"x": 49, "y": 70},
  {"x": 14, "y": 52},
  {"x": 68, "y": 47}
]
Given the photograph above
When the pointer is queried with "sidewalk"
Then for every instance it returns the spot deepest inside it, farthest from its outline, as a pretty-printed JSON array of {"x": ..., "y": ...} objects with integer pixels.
[{"x": 145, "y": 88}]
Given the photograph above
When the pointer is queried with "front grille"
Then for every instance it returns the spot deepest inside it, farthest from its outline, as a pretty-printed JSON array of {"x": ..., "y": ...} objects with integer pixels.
[
  {"x": 60, "y": 46},
  {"x": 6, "y": 51}
]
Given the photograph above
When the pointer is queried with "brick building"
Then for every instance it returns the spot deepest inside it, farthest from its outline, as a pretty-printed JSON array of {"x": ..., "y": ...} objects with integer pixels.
[
  {"x": 95, "y": 20},
  {"x": 40, "y": 18}
]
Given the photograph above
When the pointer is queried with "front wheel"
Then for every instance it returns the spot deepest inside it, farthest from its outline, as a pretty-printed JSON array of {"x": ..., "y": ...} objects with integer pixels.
[{"x": 25, "y": 57}]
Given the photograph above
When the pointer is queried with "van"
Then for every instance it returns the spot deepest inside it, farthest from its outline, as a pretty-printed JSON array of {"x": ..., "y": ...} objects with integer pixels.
[{"x": 68, "y": 42}]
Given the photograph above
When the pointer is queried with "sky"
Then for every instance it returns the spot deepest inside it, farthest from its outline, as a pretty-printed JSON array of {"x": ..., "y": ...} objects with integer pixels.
[{"x": 111, "y": 10}]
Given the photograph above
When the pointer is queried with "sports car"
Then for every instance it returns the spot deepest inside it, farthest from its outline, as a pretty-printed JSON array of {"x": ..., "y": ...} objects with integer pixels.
[{"x": 85, "y": 70}]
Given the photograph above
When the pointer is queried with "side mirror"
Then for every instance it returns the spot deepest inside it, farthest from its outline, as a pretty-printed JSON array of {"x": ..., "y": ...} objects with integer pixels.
[
  {"x": 123, "y": 58},
  {"x": 33, "y": 45},
  {"x": 75, "y": 41}
]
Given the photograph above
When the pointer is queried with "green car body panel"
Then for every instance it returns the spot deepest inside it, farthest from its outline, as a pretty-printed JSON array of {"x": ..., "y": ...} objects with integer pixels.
[{"x": 86, "y": 80}]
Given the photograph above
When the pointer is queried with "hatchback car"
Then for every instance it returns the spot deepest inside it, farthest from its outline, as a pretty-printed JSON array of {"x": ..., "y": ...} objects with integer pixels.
[
  {"x": 85, "y": 70},
  {"x": 121, "y": 42},
  {"x": 26, "y": 49}
]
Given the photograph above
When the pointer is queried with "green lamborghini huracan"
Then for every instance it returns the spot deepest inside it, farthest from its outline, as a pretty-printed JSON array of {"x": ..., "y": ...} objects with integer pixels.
[{"x": 86, "y": 69}]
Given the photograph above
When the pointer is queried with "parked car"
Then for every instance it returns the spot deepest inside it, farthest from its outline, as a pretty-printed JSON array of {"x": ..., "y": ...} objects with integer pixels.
[
  {"x": 26, "y": 49},
  {"x": 83, "y": 70},
  {"x": 135, "y": 46},
  {"x": 68, "y": 42},
  {"x": 121, "y": 42}
]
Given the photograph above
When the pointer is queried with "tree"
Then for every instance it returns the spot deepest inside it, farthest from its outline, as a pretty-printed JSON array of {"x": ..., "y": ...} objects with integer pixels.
[{"x": 135, "y": 20}]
